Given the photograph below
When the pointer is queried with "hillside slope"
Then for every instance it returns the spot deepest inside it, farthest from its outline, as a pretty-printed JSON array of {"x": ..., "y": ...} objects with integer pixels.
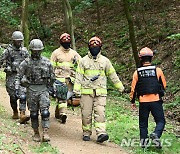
[{"x": 154, "y": 21}]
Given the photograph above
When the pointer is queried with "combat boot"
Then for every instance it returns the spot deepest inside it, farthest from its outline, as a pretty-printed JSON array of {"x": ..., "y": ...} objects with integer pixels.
[
  {"x": 36, "y": 136},
  {"x": 57, "y": 116},
  {"x": 63, "y": 118},
  {"x": 15, "y": 114},
  {"x": 45, "y": 136},
  {"x": 23, "y": 117},
  {"x": 103, "y": 137},
  {"x": 156, "y": 140}
]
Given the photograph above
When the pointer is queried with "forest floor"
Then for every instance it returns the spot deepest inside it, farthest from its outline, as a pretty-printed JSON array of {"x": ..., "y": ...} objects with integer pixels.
[{"x": 65, "y": 138}]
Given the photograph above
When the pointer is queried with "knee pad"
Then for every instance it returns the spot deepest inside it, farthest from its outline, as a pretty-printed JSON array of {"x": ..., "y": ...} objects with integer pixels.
[
  {"x": 45, "y": 114},
  {"x": 34, "y": 115},
  {"x": 23, "y": 97}
]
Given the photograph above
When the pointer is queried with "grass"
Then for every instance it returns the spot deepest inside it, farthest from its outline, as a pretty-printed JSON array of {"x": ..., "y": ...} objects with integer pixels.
[
  {"x": 8, "y": 140},
  {"x": 44, "y": 148},
  {"x": 2, "y": 75},
  {"x": 123, "y": 124},
  {"x": 13, "y": 139}
]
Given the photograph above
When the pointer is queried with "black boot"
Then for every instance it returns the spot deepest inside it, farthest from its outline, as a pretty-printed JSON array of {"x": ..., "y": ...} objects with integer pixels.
[
  {"x": 156, "y": 140},
  {"x": 57, "y": 116},
  {"x": 144, "y": 143},
  {"x": 86, "y": 138},
  {"x": 63, "y": 118},
  {"x": 103, "y": 137}
]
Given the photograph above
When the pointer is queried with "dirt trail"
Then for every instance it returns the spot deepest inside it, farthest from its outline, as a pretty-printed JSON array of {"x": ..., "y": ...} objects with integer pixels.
[{"x": 68, "y": 137}]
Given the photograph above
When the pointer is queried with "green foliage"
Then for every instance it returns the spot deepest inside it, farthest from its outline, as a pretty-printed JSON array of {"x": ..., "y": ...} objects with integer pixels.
[
  {"x": 173, "y": 87},
  {"x": 35, "y": 24},
  {"x": 122, "y": 39},
  {"x": 79, "y": 6},
  {"x": 41, "y": 30},
  {"x": 176, "y": 60},
  {"x": 174, "y": 104},
  {"x": 83, "y": 51},
  {"x": 156, "y": 62},
  {"x": 1, "y": 50},
  {"x": 44, "y": 147},
  {"x": 2, "y": 75},
  {"x": 120, "y": 68},
  {"x": 174, "y": 36},
  {"x": 48, "y": 50},
  {"x": 6, "y": 14}
]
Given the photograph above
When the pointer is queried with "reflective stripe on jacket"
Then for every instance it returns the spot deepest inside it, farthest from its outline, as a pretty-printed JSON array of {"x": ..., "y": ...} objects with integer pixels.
[
  {"x": 147, "y": 97},
  {"x": 62, "y": 61},
  {"x": 91, "y": 74}
]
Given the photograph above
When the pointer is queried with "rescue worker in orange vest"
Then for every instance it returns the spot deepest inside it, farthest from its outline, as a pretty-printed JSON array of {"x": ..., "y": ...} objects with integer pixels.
[
  {"x": 63, "y": 59},
  {"x": 90, "y": 83},
  {"x": 148, "y": 85}
]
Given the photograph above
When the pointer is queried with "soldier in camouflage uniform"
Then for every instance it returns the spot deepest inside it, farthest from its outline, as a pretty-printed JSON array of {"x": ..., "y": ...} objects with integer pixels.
[
  {"x": 36, "y": 73},
  {"x": 12, "y": 56}
]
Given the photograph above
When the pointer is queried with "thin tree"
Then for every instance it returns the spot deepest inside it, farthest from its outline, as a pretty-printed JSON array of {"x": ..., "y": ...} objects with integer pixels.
[
  {"x": 66, "y": 17},
  {"x": 98, "y": 13},
  {"x": 24, "y": 22},
  {"x": 42, "y": 24},
  {"x": 131, "y": 31},
  {"x": 70, "y": 22}
]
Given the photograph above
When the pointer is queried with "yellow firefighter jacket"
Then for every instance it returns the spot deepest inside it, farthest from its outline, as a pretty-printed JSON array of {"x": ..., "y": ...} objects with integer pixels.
[
  {"x": 88, "y": 68},
  {"x": 63, "y": 61}
]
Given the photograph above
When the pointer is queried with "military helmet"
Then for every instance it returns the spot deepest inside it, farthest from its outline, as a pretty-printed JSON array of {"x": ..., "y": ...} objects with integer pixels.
[
  {"x": 36, "y": 44},
  {"x": 17, "y": 35}
]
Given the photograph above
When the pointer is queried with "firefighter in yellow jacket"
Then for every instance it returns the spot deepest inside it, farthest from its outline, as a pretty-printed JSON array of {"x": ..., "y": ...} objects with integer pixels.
[
  {"x": 63, "y": 60},
  {"x": 90, "y": 84}
]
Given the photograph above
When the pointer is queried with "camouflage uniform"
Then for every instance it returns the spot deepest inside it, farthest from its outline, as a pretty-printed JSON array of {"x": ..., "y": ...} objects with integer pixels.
[
  {"x": 37, "y": 75},
  {"x": 11, "y": 59}
]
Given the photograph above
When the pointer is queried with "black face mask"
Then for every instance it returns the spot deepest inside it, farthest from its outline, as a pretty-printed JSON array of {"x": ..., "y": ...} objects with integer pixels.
[
  {"x": 36, "y": 55},
  {"x": 94, "y": 51},
  {"x": 66, "y": 45}
]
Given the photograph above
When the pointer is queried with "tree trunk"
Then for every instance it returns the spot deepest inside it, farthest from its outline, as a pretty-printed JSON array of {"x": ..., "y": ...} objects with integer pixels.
[
  {"x": 98, "y": 13},
  {"x": 40, "y": 20},
  {"x": 66, "y": 17},
  {"x": 45, "y": 3},
  {"x": 71, "y": 24},
  {"x": 131, "y": 32},
  {"x": 24, "y": 22}
]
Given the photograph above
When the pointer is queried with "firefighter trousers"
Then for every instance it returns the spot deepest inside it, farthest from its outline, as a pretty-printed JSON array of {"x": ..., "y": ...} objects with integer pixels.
[
  {"x": 62, "y": 104},
  {"x": 93, "y": 107}
]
